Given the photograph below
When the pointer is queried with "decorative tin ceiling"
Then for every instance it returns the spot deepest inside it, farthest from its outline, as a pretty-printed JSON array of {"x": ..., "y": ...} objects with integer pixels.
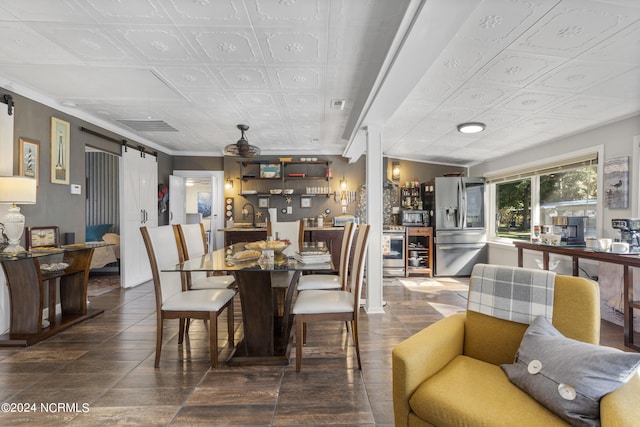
[{"x": 532, "y": 70}]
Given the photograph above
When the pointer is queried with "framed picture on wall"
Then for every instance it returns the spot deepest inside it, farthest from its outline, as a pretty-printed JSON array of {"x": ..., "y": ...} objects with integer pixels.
[
  {"x": 29, "y": 158},
  {"x": 263, "y": 202},
  {"x": 305, "y": 202},
  {"x": 60, "y": 131}
]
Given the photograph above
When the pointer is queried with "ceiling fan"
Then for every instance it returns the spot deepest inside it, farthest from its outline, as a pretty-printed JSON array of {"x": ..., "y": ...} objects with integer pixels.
[{"x": 242, "y": 148}]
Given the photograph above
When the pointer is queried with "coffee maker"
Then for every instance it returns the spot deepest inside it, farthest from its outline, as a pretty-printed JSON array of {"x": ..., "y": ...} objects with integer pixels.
[
  {"x": 571, "y": 229},
  {"x": 629, "y": 229}
]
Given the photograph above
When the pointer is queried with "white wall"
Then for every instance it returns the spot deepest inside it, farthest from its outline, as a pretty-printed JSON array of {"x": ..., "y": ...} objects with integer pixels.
[{"x": 618, "y": 141}]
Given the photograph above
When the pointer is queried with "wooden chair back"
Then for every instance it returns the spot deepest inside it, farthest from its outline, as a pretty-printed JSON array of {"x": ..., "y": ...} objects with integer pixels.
[
  {"x": 345, "y": 252},
  {"x": 357, "y": 268},
  {"x": 162, "y": 249},
  {"x": 289, "y": 230},
  {"x": 193, "y": 240}
]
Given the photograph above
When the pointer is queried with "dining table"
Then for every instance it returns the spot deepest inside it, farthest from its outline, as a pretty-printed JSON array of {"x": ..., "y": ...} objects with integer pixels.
[{"x": 266, "y": 324}]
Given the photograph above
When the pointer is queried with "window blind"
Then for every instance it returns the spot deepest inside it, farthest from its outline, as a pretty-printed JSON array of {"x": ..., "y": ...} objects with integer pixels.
[{"x": 584, "y": 160}]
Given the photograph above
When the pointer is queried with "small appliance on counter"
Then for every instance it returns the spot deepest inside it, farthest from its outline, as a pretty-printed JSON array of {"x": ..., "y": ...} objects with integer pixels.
[
  {"x": 629, "y": 229},
  {"x": 415, "y": 218},
  {"x": 341, "y": 220},
  {"x": 571, "y": 229}
]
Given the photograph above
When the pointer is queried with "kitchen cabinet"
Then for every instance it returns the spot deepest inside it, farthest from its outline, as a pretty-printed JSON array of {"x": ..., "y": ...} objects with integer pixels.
[
  {"x": 139, "y": 207},
  {"x": 312, "y": 178},
  {"x": 238, "y": 236},
  {"x": 419, "y": 247}
]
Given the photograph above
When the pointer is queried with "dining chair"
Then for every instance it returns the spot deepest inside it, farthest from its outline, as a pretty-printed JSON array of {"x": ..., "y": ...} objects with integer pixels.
[
  {"x": 293, "y": 231},
  {"x": 194, "y": 244},
  {"x": 341, "y": 305},
  {"x": 173, "y": 301},
  {"x": 333, "y": 281}
]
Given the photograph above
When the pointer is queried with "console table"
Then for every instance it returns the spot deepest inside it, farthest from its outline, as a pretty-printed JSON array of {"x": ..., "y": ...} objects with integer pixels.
[
  {"x": 576, "y": 253},
  {"x": 27, "y": 281}
]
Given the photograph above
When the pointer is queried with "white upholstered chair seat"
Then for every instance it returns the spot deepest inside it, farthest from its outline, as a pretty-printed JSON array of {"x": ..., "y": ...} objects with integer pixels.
[
  {"x": 198, "y": 300},
  {"x": 211, "y": 282},
  {"x": 319, "y": 301},
  {"x": 319, "y": 281}
]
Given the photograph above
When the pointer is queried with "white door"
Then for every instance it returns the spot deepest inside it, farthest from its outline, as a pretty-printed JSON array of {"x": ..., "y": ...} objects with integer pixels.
[
  {"x": 177, "y": 200},
  {"x": 138, "y": 207}
]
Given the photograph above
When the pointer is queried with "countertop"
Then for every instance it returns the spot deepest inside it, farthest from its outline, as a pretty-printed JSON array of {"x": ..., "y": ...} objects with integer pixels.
[{"x": 235, "y": 229}]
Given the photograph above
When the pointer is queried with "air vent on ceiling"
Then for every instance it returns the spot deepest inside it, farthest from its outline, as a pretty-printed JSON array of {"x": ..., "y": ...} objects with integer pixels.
[
  {"x": 148, "y": 125},
  {"x": 338, "y": 104}
]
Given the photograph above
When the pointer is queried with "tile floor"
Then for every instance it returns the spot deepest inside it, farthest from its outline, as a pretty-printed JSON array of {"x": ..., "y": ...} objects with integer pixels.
[{"x": 101, "y": 372}]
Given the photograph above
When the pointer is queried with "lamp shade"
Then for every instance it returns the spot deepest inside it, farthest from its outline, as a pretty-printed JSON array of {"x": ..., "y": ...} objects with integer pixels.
[{"x": 20, "y": 190}]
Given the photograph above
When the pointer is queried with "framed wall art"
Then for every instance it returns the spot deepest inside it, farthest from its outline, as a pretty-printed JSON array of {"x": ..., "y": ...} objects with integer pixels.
[
  {"x": 263, "y": 202},
  {"x": 29, "y": 158},
  {"x": 60, "y": 131},
  {"x": 616, "y": 183},
  {"x": 305, "y": 202}
]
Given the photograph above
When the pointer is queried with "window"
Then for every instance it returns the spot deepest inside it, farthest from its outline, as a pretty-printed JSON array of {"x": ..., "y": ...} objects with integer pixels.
[
  {"x": 534, "y": 196},
  {"x": 513, "y": 209}
]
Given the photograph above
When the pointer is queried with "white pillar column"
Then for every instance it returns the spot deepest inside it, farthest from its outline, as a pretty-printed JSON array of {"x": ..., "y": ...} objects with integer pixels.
[{"x": 374, "y": 174}]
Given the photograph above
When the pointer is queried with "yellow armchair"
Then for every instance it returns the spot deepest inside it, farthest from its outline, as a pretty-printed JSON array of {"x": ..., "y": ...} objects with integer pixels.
[{"x": 449, "y": 374}]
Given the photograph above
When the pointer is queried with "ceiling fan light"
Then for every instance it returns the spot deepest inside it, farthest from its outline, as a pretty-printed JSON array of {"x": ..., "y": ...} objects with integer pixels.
[
  {"x": 471, "y": 127},
  {"x": 242, "y": 148}
]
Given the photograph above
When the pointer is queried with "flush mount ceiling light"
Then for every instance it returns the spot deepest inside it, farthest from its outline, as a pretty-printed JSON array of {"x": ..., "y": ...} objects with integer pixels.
[
  {"x": 242, "y": 147},
  {"x": 471, "y": 127}
]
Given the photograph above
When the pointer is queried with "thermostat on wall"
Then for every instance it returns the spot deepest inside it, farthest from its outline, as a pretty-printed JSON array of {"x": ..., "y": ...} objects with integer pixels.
[{"x": 76, "y": 189}]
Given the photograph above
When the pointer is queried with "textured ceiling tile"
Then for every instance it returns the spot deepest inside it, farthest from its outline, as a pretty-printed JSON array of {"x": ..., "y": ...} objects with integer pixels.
[
  {"x": 471, "y": 95},
  {"x": 89, "y": 43},
  {"x": 576, "y": 76},
  {"x": 293, "y": 47},
  {"x": 574, "y": 26},
  {"x": 461, "y": 60},
  {"x": 132, "y": 11},
  {"x": 207, "y": 12},
  {"x": 298, "y": 79},
  {"x": 583, "y": 106},
  {"x": 497, "y": 23},
  {"x": 228, "y": 46},
  {"x": 624, "y": 86},
  {"x": 532, "y": 101},
  {"x": 302, "y": 100},
  {"x": 20, "y": 44},
  {"x": 187, "y": 77},
  {"x": 625, "y": 47},
  {"x": 44, "y": 10},
  {"x": 243, "y": 77},
  {"x": 273, "y": 12},
  {"x": 516, "y": 68},
  {"x": 158, "y": 45},
  {"x": 256, "y": 100}
]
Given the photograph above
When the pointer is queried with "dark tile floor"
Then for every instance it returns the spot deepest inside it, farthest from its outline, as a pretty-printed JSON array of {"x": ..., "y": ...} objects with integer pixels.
[{"x": 101, "y": 372}]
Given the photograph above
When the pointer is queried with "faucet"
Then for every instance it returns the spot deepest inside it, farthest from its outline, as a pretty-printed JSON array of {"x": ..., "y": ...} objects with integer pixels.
[{"x": 245, "y": 213}]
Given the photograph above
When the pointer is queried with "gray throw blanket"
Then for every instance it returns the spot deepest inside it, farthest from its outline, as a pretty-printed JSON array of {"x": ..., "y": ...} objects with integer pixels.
[{"x": 511, "y": 293}]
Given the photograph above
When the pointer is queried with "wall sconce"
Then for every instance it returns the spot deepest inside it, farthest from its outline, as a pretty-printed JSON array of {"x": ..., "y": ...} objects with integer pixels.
[
  {"x": 228, "y": 184},
  {"x": 343, "y": 183},
  {"x": 395, "y": 171}
]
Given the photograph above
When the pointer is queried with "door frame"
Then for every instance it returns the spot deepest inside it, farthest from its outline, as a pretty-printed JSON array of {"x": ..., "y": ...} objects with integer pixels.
[{"x": 217, "y": 197}]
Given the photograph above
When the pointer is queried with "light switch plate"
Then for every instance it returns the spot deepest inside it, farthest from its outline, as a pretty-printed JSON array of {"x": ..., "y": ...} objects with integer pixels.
[
  {"x": 289, "y": 210},
  {"x": 76, "y": 189}
]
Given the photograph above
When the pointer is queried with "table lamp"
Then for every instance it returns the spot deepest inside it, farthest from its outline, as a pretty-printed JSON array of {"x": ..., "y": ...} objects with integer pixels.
[{"x": 16, "y": 190}]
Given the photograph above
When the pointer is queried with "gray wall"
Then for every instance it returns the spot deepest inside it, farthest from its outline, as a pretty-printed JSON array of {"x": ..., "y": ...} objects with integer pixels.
[{"x": 55, "y": 204}]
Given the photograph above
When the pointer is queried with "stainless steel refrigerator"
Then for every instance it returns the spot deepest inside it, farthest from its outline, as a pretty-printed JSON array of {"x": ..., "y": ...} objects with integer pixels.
[{"x": 457, "y": 205}]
